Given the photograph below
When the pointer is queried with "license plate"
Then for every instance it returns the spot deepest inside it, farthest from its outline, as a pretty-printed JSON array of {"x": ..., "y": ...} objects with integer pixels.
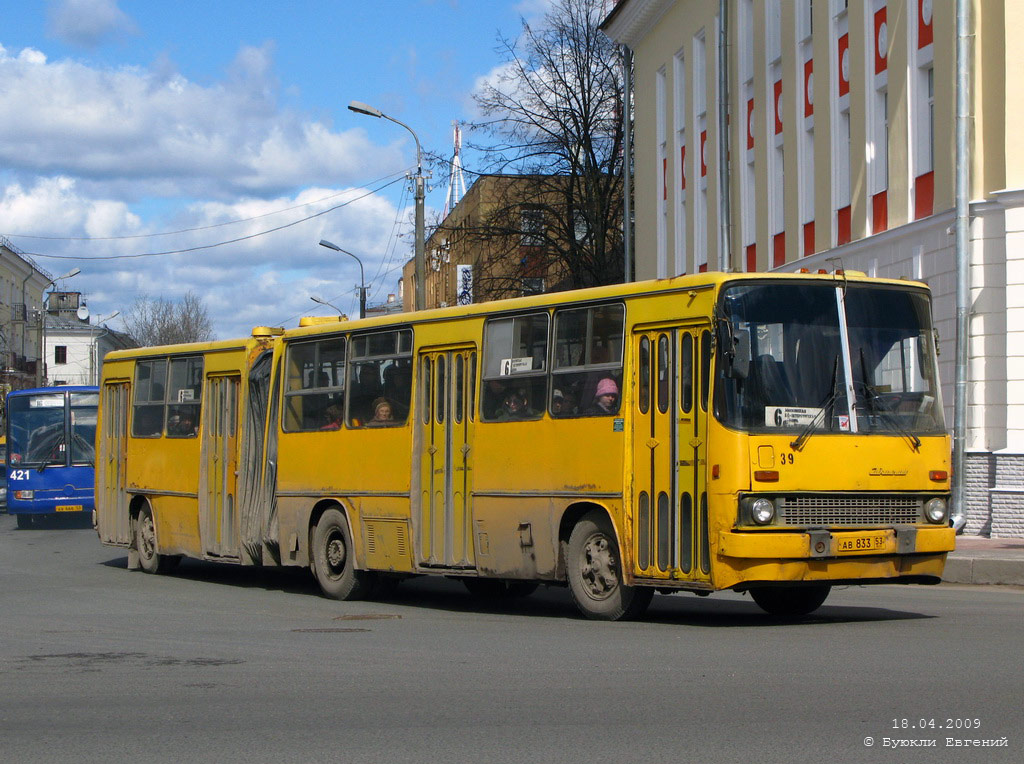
[
  {"x": 69, "y": 507},
  {"x": 863, "y": 543}
]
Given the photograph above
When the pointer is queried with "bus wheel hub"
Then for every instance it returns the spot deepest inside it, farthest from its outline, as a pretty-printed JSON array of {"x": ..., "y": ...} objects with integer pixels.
[
  {"x": 336, "y": 553},
  {"x": 598, "y": 567}
]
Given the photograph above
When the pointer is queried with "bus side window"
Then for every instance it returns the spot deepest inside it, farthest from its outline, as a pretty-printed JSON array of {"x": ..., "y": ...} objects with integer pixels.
[
  {"x": 380, "y": 387},
  {"x": 514, "y": 368},
  {"x": 148, "y": 410},
  {"x": 314, "y": 396},
  {"x": 587, "y": 376},
  {"x": 185, "y": 399}
]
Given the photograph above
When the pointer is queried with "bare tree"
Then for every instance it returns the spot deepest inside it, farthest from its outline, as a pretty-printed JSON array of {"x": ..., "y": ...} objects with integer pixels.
[
  {"x": 555, "y": 112},
  {"x": 160, "y": 321}
]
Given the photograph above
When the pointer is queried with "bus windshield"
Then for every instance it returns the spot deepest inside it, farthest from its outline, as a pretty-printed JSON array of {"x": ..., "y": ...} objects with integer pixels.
[
  {"x": 844, "y": 358},
  {"x": 38, "y": 432},
  {"x": 83, "y": 427},
  {"x": 37, "y": 429}
]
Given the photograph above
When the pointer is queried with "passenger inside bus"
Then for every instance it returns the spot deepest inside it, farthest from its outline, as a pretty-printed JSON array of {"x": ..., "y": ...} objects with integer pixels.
[
  {"x": 383, "y": 414},
  {"x": 335, "y": 417},
  {"x": 513, "y": 407},
  {"x": 562, "y": 404},
  {"x": 606, "y": 399}
]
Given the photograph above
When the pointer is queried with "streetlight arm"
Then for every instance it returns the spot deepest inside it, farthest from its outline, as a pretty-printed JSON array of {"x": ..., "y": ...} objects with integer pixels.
[
  {"x": 361, "y": 108},
  {"x": 420, "y": 193},
  {"x": 336, "y": 248}
]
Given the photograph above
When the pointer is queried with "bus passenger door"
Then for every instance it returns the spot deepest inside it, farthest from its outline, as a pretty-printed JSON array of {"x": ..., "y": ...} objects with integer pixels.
[
  {"x": 219, "y": 474},
  {"x": 446, "y": 416},
  {"x": 670, "y": 453},
  {"x": 112, "y": 507}
]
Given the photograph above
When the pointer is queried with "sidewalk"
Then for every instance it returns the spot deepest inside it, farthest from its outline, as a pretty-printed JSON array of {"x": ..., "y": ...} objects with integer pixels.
[{"x": 980, "y": 560}]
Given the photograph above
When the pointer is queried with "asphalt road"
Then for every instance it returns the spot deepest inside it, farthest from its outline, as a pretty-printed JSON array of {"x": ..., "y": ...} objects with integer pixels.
[{"x": 219, "y": 663}]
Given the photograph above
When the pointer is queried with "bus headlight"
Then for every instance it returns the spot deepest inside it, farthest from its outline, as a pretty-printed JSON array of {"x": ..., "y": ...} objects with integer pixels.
[
  {"x": 935, "y": 511},
  {"x": 25, "y": 495},
  {"x": 762, "y": 511}
]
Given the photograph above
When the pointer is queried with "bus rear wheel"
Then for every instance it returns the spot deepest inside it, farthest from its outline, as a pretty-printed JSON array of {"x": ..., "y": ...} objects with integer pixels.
[
  {"x": 594, "y": 571},
  {"x": 150, "y": 560},
  {"x": 790, "y": 601},
  {"x": 334, "y": 560}
]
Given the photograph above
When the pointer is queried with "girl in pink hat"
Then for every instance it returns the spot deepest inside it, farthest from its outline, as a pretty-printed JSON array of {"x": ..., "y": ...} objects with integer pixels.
[{"x": 606, "y": 398}]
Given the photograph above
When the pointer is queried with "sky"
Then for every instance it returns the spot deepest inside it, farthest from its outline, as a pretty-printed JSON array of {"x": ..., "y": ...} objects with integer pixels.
[{"x": 133, "y": 128}]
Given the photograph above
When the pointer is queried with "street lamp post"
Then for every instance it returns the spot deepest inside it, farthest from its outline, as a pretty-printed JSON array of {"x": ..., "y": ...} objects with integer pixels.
[
  {"x": 321, "y": 301},
  {"x": 362, "y": 279},
  {"x": 41, "y": 376},
  {"x": 420, "y": 275},
  {"x": 94, "y": 350}
]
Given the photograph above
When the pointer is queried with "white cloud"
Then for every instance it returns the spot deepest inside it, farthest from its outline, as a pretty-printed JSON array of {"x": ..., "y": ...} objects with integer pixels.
[
  {"x": 89, "y": 23},
  {"x": 259, "y": 281},
  {"x": 138, "y": 133},
  {"x": 105, "y": 153}
]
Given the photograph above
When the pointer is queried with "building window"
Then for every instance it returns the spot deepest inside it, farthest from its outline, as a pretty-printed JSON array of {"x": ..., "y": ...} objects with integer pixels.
[
  {"x": 841, "y": 148},
  {"x": 60, "y": 354},
  {"x": 679, "y": 80},
  {"x": 532, "y": 226},
  {"x": 700, "y": 135},
  {"x": 662, "y": 224},
  {"x": 748, "y": 176}
]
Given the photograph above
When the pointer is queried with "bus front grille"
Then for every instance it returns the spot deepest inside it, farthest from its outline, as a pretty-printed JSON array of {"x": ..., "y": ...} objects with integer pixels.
[{"x": 849, "y": 509}]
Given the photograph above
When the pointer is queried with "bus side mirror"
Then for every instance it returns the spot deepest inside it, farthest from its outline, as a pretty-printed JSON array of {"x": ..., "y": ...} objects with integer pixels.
[
  {"x": 739, "y": 360},
  {"x": 735, "y": 349}
]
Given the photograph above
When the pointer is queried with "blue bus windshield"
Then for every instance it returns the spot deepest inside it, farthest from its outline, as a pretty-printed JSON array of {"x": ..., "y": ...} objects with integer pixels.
[{"x": 43, "y": 432}]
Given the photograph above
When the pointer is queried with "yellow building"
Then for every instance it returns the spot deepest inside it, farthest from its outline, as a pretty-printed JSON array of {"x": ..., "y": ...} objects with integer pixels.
[
  {"x": 21, "y": 298},
  {"x": 840, "y": 145}
]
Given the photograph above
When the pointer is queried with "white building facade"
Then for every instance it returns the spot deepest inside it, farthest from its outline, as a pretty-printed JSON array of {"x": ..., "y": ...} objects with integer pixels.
[
  {"x": 839, "y": 140},
  {"x": 75, "y": 348}
]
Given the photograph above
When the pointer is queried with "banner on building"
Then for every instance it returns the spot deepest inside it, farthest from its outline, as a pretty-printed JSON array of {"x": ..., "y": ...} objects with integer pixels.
[{"x": 464, "y": 274}]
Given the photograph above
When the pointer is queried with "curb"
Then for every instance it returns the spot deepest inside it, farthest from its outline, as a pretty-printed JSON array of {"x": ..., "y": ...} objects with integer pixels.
[{"x": 984, "y": 570}]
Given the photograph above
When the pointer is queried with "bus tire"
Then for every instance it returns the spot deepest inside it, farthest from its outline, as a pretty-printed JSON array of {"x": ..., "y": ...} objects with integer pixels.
[
  {"x": 150, "y": 560},
  {"x": 24, "y": 521},
  {"x": 334, "y": 560},
  {"x": 594, "y": 570},
  {"x": 790, "y": 601}
]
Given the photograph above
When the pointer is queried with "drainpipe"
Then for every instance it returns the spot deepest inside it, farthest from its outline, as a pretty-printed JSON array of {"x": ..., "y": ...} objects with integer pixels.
[
  {"x": 627, "y": 163},
  {"x": 963, "y": 288},
  {"x": 724, "y": 254}
]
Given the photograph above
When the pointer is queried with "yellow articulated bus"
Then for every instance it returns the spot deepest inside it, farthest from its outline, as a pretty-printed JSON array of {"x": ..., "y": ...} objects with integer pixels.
[{"x": 777, "y": 434}]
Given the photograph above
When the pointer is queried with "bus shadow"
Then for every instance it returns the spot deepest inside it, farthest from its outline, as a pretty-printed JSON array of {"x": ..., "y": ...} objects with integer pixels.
[
  {"x": 680, "y": 610},
  {"x": 549, "y": 601},
  {"x": 289, "y": 580},
  {"x": 63, "y": 522}
]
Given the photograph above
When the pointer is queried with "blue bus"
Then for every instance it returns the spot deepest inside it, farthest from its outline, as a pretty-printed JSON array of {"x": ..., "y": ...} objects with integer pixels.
[{"x": 51, "y": 448}]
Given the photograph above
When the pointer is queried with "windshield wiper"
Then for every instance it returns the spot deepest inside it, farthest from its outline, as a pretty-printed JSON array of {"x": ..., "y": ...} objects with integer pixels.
[
  {"x": 48, "y": 461},
  {"x": 881, "y": 411},
  {"x": 828, "y": 405}
]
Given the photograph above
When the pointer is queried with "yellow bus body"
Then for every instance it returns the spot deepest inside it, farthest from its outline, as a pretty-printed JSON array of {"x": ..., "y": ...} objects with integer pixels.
[{"x": 487, "y": 499}]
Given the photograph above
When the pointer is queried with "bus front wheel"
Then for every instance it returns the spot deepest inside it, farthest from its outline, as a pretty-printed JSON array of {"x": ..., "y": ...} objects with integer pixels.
[
  {"x": 594, "y": 570},
  {"x": 790, "y": 601},
  {"x": 334, "y": 560},
  {"x": 150, "y": 560},
  {"x": 24, "y": 521}
]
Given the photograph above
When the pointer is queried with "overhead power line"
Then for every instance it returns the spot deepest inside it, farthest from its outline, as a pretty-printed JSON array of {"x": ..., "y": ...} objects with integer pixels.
[
  {"x": 200, "y": 247},
  {"x": 401, "y": 173}
]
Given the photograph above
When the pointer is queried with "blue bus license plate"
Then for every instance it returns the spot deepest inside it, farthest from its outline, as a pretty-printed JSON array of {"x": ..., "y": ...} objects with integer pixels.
[{"x": 69, "y": 507}]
